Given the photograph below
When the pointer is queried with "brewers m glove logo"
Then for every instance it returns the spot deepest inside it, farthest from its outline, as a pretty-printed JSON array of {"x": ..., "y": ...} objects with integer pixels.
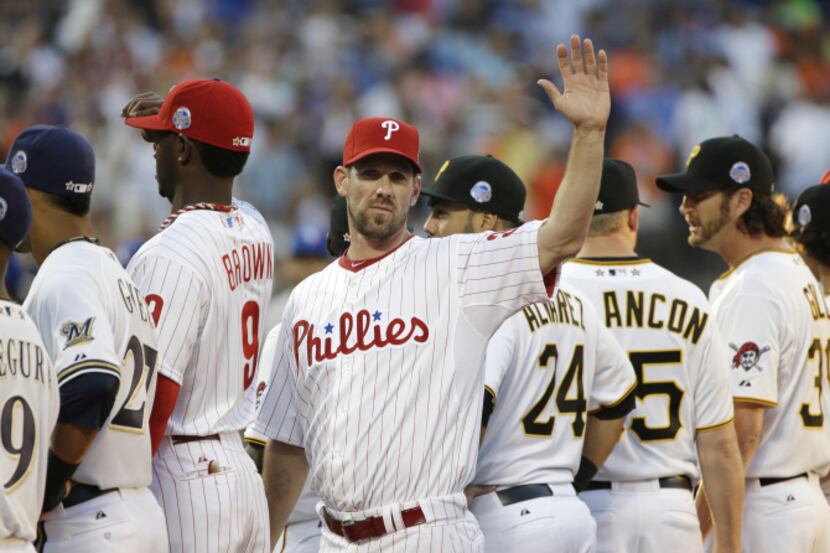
[
  {"x": 747, "y": 357},
  {"x": 361, "y": 331},
  {"x": 77, "y": 333}
]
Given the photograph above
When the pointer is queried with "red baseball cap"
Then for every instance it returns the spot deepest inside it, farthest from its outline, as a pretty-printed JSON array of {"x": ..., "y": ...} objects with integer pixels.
[
  {"x": 381, "y": 135},
  {"x": 208, "y": 110}
]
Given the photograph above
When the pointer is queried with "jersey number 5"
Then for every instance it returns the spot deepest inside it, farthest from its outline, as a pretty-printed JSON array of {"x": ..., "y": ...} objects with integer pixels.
[
  {"x": 667, "y": 388},
  {"x": 16, "y": 408},
  {"x": 250, "y": 340},
  {"x": 564, "y": 404}
]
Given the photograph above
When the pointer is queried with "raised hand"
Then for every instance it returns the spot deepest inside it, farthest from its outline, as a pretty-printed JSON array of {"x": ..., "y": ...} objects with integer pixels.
[
  {"x": 146, "y": 103},
  {"x": 585, "y": 101}
]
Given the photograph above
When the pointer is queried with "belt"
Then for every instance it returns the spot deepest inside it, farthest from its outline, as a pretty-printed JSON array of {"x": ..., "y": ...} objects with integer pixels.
[
  {"x": 185, "y": 439},
  {"x": 84, "y": 492},
  {"x": 372, "y": 527},
  {"x": 678, "y": 482},
  {"x": 771, "y": 481},
  {"x": 526, "y": 492}
]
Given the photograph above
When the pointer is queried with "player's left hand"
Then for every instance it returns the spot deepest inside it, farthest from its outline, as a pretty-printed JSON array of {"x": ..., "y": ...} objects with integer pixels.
[
  {"x": 146, "y": 103},
  {"x": 473, "y": 490},
  {"x": 586, "y": 101}
]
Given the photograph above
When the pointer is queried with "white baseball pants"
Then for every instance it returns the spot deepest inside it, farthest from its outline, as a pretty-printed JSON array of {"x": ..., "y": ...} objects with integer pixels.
[
  {"x": 560, "y": 523},
  {"x": 124, "y": 521},
  {"x": 303, "y": 537},
  {"x": 790, "y": 516},
  {"x": 641, "y": 517},
  {"x": 212, "y": 496}
]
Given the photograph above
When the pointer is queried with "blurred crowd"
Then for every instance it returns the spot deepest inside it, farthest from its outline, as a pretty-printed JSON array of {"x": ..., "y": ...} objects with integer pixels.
[{"x": 462, "y": 71}]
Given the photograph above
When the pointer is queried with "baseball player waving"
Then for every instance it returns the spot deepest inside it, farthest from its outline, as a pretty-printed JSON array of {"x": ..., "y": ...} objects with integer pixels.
[
  {"x": 207, "y": 275},
  {"x": 682, "y": 426},
  {"x": 547, "y": 367},
  {"x": 103, "y": 344},
  {"x": 771, "y": 313},
  {"x": 377, "y": 388},
  {"x": 28, "y": 389}
]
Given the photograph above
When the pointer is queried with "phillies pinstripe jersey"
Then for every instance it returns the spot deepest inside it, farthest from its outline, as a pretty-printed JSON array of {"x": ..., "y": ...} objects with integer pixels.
[
  {"x": 93, "y": 319},
  {"x": 664, "y": 324},
  {"x": 380, "y": 362},
  {"x": 772, "y": 314},
  {"x": 28, "y": 412},
  {"x": 547, "y": 367},
  {"x": 207, "y": 277},
  {"x": 304, "y": 508}
]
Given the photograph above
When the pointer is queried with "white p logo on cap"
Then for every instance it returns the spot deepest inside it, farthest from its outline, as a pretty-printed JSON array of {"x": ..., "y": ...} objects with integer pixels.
[{"x": 390, "y": 126}]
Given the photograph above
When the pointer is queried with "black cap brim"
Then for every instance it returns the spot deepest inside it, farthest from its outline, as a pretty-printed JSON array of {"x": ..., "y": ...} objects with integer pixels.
[{"x": 684, "y": 182}]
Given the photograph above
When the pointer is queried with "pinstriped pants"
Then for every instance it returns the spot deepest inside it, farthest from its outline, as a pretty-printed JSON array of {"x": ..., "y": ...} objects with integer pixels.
[{"x": 212, "y": 496}]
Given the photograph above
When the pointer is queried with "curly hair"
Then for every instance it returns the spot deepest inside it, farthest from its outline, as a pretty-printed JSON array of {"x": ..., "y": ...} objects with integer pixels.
[
  {"x": 766, "y": 215},
  {"x": 815, "y": 242}
]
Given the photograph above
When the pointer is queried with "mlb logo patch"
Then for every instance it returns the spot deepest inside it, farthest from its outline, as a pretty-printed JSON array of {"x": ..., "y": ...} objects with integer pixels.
[{"x": 481, "y": 192}]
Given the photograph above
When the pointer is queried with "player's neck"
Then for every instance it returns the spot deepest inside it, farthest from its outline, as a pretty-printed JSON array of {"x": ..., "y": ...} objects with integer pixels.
[
  {"x": 741, "y": 245},
  {"x": 611, "y": 245},
  {"x": 59, "y": 227},
  {"x": 824, "y": 277},
  {"x": 363, "y": 247},
  {"x": 4, "y": 263},
  {"x": 209, "y": 190}
]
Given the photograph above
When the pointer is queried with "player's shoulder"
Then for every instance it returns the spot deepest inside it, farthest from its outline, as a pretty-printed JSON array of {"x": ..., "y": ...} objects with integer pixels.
[
  {"x": 684, "y": 289},
  {"x": 177, "y": 245},
  {"x": 76, "y": 266},
  {"x": 769, "y": 274},
  {"x": 17, "y": 322}
]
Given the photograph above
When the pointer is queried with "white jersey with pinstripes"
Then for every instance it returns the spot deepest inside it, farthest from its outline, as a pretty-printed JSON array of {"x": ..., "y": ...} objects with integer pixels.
[
  {"x": 664, "y": 323},
  {"x": 208, "y": 278},
  {"x": 93, "y": 319},
  {"x": 772, "y": 314},
  {"x": 304, "y": 508},
  {"x": 380, "y": 364},
  {"x": 547, "y": 367},
  {"x": 28, "y": 412}
]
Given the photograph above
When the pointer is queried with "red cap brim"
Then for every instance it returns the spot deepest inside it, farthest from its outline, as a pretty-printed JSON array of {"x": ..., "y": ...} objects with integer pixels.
[
  {"x": 148, "y": 122},
  {"x": 381, "y": 150}
]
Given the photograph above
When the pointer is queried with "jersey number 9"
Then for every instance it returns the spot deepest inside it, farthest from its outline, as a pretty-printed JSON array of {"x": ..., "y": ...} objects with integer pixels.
[{"x": 18, "y": 443}]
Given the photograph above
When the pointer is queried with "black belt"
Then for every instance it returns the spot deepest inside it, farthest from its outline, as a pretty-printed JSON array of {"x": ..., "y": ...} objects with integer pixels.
[
  {"x": 509, "y": 496},
  {"x": 84, "y": 492},
  {"x": 771, "y": 481},
  {"x": 679, "y": 482},
  {"x": 186, "y": 439}
]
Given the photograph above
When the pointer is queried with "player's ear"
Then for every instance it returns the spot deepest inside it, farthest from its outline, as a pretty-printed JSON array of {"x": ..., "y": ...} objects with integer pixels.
[
  {"x": 634, "y": 219},
  {"x": 340, "y": 177},
  {"x": 489, "y": 221},
  {"x": 416, "y": 193},
  {"x": 741, "y": 200},
  {"x": 185, "y": 150}
]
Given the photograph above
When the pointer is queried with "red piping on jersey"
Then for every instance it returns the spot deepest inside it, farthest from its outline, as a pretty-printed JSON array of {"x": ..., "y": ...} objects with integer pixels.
[
  {"x": 194, "y": 207},
  {"x": 355, "y": 266}
]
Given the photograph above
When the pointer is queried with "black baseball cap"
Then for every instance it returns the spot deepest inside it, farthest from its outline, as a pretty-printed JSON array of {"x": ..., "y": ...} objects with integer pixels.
[
  {"x": 720, "y": 163},
  {"x": 53, "y": 159},
  {"x": 811, "y": 210},
  {"x": 15, "y": 210},
  {"x": 338, "y": 239},
  {"x": 482, "y": 183},
  {"x": 617, "y": 188}
]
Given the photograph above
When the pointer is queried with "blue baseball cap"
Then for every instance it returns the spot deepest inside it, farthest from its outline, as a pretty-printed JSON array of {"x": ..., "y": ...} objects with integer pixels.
[
  {"x": 15, "y": 209},
  {"x": 309, "y": 240},
  {"x": 55, "y": 160}
]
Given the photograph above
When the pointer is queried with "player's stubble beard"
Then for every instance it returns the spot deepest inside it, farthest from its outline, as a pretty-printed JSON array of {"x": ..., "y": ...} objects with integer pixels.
[
  {"x": 377, "y": 227},
  {"x": 711, "y": 228}
]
